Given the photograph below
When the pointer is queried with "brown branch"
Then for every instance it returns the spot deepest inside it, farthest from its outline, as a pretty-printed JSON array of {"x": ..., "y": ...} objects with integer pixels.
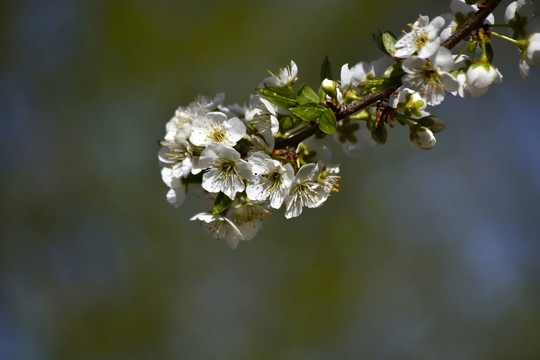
[{"x": 472, "y": 24}]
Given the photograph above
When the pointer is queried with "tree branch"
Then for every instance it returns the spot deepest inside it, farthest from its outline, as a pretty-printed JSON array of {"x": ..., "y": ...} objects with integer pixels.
[{"x": 466, "y": 29}]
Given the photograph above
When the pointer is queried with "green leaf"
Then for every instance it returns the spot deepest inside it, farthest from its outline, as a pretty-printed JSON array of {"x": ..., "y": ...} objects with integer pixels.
[
  {"x": 326, "y": 69},
  {"x": 389, "y": 42},
  {"x": 309, "y": 111},
  {"x": 328, "y": 122},
  {"x": 306, "y": 95},
  {"x": 221, "y": 204},
  {"x": 281, "y": 96},
  {"x": 379, "y": 133}
]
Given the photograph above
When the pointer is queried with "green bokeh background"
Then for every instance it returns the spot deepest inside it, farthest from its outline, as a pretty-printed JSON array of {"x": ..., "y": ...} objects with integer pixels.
[{"x": 421, "y": 255}]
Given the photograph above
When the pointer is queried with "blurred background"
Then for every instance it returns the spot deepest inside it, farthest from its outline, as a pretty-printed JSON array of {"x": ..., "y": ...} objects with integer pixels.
[{"x": 421, "y": 255}]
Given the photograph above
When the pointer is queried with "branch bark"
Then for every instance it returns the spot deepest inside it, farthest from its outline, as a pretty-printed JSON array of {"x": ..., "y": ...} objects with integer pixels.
[{"x": 466, "y": 29}]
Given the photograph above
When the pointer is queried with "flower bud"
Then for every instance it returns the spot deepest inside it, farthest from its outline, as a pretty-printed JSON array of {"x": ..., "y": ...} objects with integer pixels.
[
  {"x": 330, "y": 88},
  {"x": 480, "y": 77},
  {"x": 532, "y": 53},
  {"x": 422, "y": 138}
]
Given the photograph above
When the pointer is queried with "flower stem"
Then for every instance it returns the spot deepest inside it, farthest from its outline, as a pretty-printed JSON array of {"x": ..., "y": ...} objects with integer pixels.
[{"x": 513, "y": 41}]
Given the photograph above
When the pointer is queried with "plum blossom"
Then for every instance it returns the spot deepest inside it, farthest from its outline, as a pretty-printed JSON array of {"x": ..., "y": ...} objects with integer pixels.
[
  {"x": 480, "y": 77},
  {"x": 430, "y": 77},
  {"x": 329, "y": 177},
  {"x": 423, "y": 39},
  {"x": 422, "y": 138},
  {"x": 221, "y": 228},
  {"x": 177, "y": 192},
  {"x": 305, "y": 191},
  {"x": 262, "y": 115},
  {"x": 409, "y": 103},
  {"x": 271, "y": 179},
  {"x": 285, "y": 76},
  {"x": 225, "y": 170},
  {"x": 214, "y": 127},
  {"x": 248, "y": 217},
  {"x": 359, "y": 73}
]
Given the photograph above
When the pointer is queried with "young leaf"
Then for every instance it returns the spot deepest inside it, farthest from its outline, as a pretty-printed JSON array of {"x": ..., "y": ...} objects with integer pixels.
[
  {"x": 309, "y": 111},
  {"x": 389, "y": 42},
  {"x": 328, "y": 122},
  {"x": 281, "y": 96},
  {"x": 306, "y": 95},
  {"x": 326, "y": 69}
]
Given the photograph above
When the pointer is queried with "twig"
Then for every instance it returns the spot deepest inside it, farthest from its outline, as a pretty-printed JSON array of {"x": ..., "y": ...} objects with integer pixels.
[{"x": 473, "y": 23}]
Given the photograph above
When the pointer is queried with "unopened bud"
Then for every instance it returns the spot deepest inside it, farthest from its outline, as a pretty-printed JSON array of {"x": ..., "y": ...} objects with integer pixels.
[
  {"x": 330, "y": 88},
  {"x": 422, "y": 138}
]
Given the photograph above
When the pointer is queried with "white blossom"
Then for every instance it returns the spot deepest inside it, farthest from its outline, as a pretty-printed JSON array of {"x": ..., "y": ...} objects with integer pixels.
[
  {"x": 248, "y": 218},
  {"x": 271, "y": 180},
  {"x": 177, "y": 192},
  {"x": 285, "y": 76},
  {"x": 179, "y": 127},
  {"x": 423, "y": 39},
  {"x": 422, "y": 138},
  {"x": 431, "y": 77},
  {"x": 409, "y": 103},
  {"x": 329, "y": 177},
  {"x": 532, "y": 53},
  {"x": 214, "y": 127},
  {"x": 261, "y": 114},
  {"x": 204, "y": 104},
  {"x": 522, "y": 8},
  {"x": 362, "y": 70},
  {"x": 225, "y": 170},
  {"x": 221, "y": 228},
  {"x": 305, "y": 191},
  {"x": 480, "y": 77}
]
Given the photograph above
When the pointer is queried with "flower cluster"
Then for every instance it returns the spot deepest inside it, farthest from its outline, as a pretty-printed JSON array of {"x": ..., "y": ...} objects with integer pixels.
[
  {"x": 228, "y": 154},
  {"x": 267, "y": 154}
]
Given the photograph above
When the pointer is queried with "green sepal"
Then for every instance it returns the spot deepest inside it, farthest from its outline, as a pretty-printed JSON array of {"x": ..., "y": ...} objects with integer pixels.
[
  {"x": 379, "y": 133},
  {"x": 221, "y": 204},
  {"x": 281, "y": 96},
  {"x": 326, "y": 69},
  {"x": 306, "y": 95},
  {"x": 328, "y": 121},
  {"x": 309, "y": 111}
]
